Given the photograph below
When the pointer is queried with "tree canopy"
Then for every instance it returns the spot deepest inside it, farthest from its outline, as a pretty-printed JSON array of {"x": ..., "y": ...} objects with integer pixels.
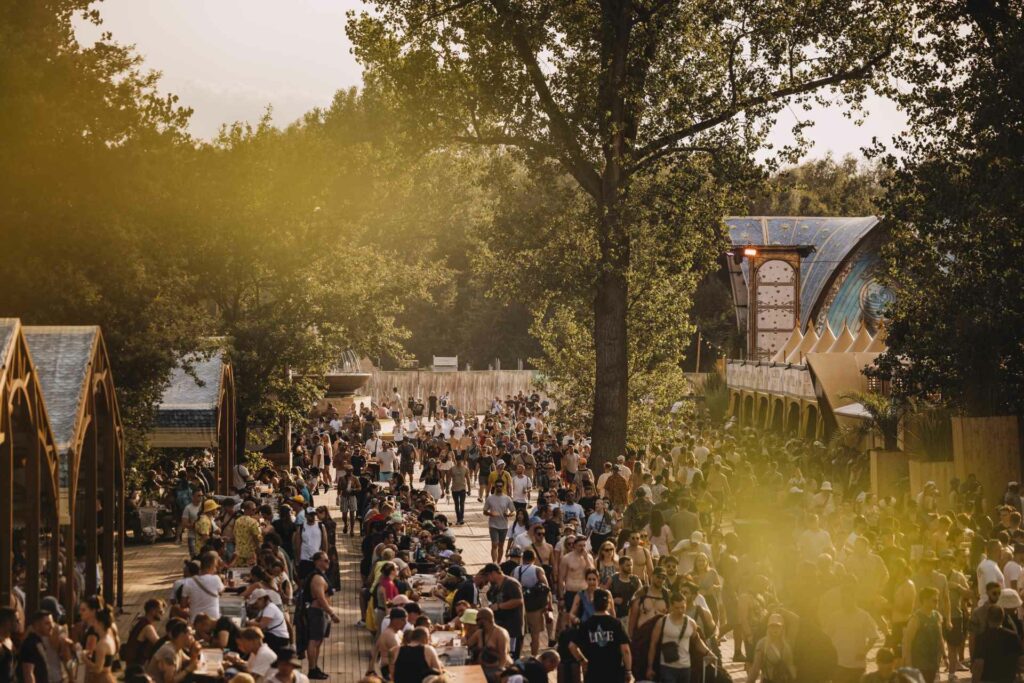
[{"x": 636, "y": 102}]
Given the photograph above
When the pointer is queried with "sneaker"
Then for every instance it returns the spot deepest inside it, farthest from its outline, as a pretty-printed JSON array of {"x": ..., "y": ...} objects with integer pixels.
[
  {"x": 360, "y": 624},
  {"x": 317, "y": 675}
]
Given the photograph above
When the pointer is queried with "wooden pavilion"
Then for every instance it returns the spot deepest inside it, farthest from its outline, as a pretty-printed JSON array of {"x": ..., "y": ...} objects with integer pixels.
[
  {"x": 78, "y": 387},
  {"x": 198, "y": 411},
  {"x": 29, "y": 494}
]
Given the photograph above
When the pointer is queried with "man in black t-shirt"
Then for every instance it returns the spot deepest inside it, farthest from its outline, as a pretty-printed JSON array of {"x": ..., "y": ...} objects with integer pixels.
[
  {"x": 601, "y": 646},
  {"x": 506, "y": 599},
  {"x": 32, "y": 655}
]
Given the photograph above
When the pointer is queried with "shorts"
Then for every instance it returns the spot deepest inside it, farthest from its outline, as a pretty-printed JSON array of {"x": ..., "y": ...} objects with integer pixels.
[
  {"x": 497, "y": 535},
  {"x": 567, "y": 600},
  {"x": 385, "y": 476},
  {"x": 349, "y": 504},
  {"x": 956, "y": 634},
  {"x": 318, "y": 624}
]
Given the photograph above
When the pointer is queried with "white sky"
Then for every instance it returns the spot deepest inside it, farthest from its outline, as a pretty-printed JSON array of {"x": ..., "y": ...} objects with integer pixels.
[{"x": 229, "y": 59}]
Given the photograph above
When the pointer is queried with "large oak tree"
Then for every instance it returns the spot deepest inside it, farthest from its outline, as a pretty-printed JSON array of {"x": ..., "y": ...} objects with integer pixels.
[{"x": 618, "y": 93}]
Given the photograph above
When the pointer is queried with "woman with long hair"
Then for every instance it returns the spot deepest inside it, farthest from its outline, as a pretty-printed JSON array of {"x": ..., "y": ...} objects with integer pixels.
[
  {"x": 520, "y": 525},
  {"x": 708, "y": 582},
  {"x": 444, "y": 467},
  {"x": 431, "y": 478},
  {"x": 600, "y": 525},
  {"x": 102, "y": 642},
  {"x": 660, "y": 534},
  {"x": 607, "y": 563},
  {"x": 583, "y": 603}
]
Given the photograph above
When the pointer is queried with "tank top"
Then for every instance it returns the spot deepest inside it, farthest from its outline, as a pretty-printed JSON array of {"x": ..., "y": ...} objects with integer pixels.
[
  {"x": 926, "y": 650},
  {"x": 411, "y": 665},
  {"x": 310, "y": 540},
  {"x": 681, "y": 634}
]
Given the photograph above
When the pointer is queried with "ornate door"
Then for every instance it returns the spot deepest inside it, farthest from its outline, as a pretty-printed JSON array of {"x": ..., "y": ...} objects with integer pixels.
[{"x": 775, "y": 308}]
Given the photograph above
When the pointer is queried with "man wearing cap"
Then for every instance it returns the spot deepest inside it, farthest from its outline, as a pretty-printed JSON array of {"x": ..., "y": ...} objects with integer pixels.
[
  {"x": 204, "y": 526},
  {"x": 505, "y": 597},
  {"x": 501, "y": 474},
  {"x": 389, "y": 639},
  {"x": 310, "y": 538},
  {"x": 928, "y": 575},
  {"x": 269, "y": 619}
]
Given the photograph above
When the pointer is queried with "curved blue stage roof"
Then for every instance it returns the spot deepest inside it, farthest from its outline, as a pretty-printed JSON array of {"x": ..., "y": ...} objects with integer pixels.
[{"x": 833, "y": 240}]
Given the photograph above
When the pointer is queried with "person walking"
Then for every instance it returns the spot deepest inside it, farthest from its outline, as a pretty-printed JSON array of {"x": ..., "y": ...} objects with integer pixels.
[
  {"x": 601, "y": 646},
  {"x": 498, "y": 508},
  {"x": 675, "y": 634},
  {"x": 922, "y": 639},
  {"x": 460, "y": 488}
]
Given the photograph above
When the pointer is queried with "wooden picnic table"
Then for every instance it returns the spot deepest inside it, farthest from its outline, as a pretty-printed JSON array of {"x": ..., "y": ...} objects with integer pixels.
[{"x": 471, "y": 673}]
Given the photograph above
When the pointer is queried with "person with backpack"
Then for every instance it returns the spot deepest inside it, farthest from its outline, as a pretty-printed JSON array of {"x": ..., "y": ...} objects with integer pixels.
[
  {"x": 310, "y": 539},
  {"x": 536, "y": 596},
  {"x": 673, "y": 638},
  {"x": 316, "y": 615}
]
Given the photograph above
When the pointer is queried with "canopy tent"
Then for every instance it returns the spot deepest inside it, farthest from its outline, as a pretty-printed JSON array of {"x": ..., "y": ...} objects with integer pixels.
[
  {"x": 78, "y": 387},
  {"x": 197, "y": 410},
  {"x": 29, "y": 498}
]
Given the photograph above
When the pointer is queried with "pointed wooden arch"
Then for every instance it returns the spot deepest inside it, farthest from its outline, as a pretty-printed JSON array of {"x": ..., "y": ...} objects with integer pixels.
[
  {"x": 25, "y": 433},
  {"x": 78, "y": 386}
]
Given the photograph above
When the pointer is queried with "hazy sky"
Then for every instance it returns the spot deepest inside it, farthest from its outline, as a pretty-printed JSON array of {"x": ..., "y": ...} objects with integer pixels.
[{"x": 229, "y": 59}]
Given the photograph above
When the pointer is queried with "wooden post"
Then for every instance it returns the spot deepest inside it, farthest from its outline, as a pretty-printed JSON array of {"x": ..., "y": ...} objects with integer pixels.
[
  {"x": 33, "y": 462},
  {"x": 108, "y": 449},
  {"x": 6, "y": 506},
  {"x": 696, "y": 370},
  {"x": 89, "y": 456}
]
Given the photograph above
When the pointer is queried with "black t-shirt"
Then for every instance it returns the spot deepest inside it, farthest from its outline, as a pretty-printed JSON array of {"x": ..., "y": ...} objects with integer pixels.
[
  {"x": 7, "y": 664},
  {"x": 465, "y": 591},
  {"x": 625, "y": 590},
  {"x": 600, "y": 638},
  {"x": 32, "y": 652},
  {"x": 1000, "y": 650},
  {"x": 358, "y": 462},
  {"x": 552, "y": 531},
  {"x": 510, "y": 619}
]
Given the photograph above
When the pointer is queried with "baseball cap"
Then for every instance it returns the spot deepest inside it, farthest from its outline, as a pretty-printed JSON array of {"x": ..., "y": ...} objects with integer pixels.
[{"x": 310, "y": 511}]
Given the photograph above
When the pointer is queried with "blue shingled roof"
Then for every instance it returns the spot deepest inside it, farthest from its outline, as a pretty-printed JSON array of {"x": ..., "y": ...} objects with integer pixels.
[
  {"x": 62, "y": 356},
  {"x": 7, "y": 328},
  {"x": 833, "y": 240},
  {"x": 185, "y": 402}
]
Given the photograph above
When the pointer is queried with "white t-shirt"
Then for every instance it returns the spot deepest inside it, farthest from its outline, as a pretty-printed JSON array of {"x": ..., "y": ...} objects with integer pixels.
[
  {"x": 260, "y": 662},
  {"x": 521, "y": 486},
  {"x": 398, "y": 433},
  {"x": 386, "y": 460},
  {"x": 446, "y": 427},
  {"x": 240, "y": 475},
  {"x": 277, "y": 627},
  {"x": 374, "y": 445},
  {"x": 700, "y": 454},
  {"x": 1011, "y": 573},
  {"x": 988, "y": 571},
  {"x": 203, "y": 593}
]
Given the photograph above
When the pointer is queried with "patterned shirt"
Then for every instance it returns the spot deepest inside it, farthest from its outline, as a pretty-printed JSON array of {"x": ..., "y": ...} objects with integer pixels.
[{"x": 248, "y": 538}]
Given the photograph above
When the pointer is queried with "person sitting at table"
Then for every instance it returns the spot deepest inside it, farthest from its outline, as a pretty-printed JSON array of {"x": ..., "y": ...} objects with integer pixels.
[
  {"x": 177, "y": 658},
  {"x": 258, "y": 655},
  {"x": 491, "y": 644},
  {"x": 389, "y": 639},
  {"x": 415, "y": 659},
  {"x": 270, "y": 619},
  {"x": 203, "y": 628},
  {"x": 532, "y": 669}
]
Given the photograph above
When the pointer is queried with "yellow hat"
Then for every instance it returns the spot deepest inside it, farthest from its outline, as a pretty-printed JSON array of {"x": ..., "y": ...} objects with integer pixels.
[{"x": 210, "y": 505}]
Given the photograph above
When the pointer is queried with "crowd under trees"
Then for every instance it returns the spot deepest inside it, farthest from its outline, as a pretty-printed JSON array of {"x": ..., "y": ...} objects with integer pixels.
[{"x": 469, "y": 201}]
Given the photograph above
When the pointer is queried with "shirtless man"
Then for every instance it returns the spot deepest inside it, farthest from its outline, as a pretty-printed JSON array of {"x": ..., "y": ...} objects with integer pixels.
[
  {"x": 641, "y": 556},
  {"x": 493, "y": 643},
  {"x": 572, "y": 575},
  {"x": 390, "y": 639}
]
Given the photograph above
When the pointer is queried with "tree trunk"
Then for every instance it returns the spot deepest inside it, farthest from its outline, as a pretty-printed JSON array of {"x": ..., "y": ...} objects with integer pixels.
[{"x": 611, "y": 391}]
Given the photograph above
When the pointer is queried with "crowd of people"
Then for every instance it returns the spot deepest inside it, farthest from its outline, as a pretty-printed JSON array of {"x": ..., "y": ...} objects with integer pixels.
[{"x": 716, "y": 549}]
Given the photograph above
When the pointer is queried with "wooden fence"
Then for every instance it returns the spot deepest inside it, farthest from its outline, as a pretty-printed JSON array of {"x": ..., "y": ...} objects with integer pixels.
[{"x": 469, "y": 390}]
